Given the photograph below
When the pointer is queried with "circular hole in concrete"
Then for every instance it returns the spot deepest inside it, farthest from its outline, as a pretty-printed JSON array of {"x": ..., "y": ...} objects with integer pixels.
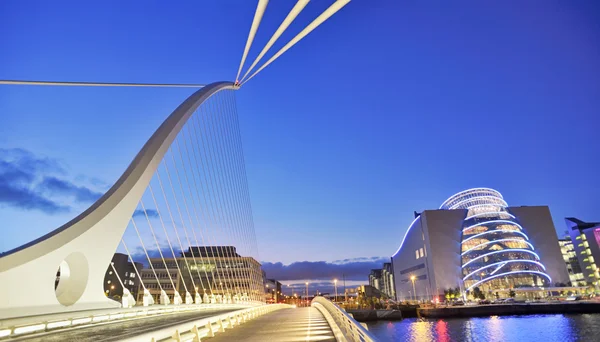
[{"x": 71, "y": 279}]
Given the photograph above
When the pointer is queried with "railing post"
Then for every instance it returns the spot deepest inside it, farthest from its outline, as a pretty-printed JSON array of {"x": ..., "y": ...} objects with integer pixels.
[
  {"x": 177, "y": 336},
  {"x": 210, "y": 332},
  {"x": 196, "y": 333}
]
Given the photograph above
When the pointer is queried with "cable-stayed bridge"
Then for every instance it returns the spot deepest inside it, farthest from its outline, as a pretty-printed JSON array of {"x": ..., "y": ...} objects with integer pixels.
[{"x": 181, "y": 215}]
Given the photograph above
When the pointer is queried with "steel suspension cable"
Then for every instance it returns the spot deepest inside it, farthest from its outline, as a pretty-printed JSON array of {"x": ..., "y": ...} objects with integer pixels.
[
  {"x": 235, "y": 140},
  {"x": 158, "y": 246},
  {"x": 99, "y": 84},
  {"x": 133, "y": 263},
  {"x": 282, "y": 27},
  {"x": 242, "y": 162},
  {"x": 198, "y": 168},
  {"x": 260, "y": 10},
  {"x": 173, "y": 220},
  {"x": 233, "y": 192},
  {"x": 331, "y": 10},
  {"x": 210, "y": 213},
  {"x": 145, "y": 252},
  {"x": 215, "y": 159},
  {"x": 162, "y": 223},
  {"x": 190, "y": 219}
]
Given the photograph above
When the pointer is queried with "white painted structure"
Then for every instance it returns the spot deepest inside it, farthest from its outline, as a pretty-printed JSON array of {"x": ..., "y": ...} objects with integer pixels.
[{"x": 83, "y": 247}]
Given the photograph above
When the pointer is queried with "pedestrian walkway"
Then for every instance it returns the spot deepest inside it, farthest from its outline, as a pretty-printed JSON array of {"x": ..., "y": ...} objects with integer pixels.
[{"x": 286, "y": 325}]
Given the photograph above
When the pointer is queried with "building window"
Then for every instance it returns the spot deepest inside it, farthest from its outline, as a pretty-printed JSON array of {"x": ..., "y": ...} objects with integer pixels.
[
  {"x": 421, "y": 252},
  {"x": 417, "y": 254},
  {"x": 132, "y": 275}
]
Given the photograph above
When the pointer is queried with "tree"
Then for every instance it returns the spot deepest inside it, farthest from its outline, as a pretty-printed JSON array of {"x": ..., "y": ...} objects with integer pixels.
[{"x": 477, "y": 294}]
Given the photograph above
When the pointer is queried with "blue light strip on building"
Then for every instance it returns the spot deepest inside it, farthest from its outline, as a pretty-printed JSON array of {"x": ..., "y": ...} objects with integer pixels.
[
  {"x": 469, "y": 191},
  {"x": 494, "y": 241},
  {"x": 507, "y": 273},
  {"x": 491, "y": 213},
  {"x": 479, "y": 198},
  {"x": 504, "y": 262},
  {"x": 496, "y": 231},
  {"x": 492, "y": 221},
  {"x": 503, "y": 251}
]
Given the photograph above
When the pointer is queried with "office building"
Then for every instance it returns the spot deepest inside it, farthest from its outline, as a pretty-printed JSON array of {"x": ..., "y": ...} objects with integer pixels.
[
  {"x": 209, "y": 270},
  {"x": 475, "y": 240},
  {"x": 586, "y": 244},
  {"x": 123, "y": 274},
  {"x": 570, "y": 257},
  {"x": 383, "y": 280}
]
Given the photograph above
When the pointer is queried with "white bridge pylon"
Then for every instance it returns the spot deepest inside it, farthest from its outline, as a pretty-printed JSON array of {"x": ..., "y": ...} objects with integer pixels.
[{"x": 83, "y": 248}]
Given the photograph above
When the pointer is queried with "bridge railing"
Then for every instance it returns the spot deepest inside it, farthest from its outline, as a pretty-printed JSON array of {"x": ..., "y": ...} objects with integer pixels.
[
  {"x": 207, "y": 327},
  {"x": 344, "y": 326},
  {"x": 45, "y": 323}
]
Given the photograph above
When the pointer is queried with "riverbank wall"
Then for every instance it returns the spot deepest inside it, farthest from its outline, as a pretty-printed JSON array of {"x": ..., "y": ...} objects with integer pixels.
[
  {"x": 510, "y": 309},
  {"x": 376, "y": 315}
]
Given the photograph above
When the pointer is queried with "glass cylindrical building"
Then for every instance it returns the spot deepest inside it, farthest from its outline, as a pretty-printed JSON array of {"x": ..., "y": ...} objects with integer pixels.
[{"x": 495, "y": 250}]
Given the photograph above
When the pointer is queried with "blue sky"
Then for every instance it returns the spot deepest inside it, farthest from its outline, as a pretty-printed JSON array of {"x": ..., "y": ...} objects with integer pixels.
[{"x": 387, "y": 108}]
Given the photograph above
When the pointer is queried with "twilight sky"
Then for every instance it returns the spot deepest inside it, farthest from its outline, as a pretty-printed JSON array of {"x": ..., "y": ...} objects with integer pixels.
[{"x": 387, "y": 108}]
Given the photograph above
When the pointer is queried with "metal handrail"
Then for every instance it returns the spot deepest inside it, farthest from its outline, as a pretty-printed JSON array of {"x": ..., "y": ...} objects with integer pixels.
[
  {"x": 72, "y": 319},
  {"x": 344, "y": 326},
  {"x": 206, "y": 327}
]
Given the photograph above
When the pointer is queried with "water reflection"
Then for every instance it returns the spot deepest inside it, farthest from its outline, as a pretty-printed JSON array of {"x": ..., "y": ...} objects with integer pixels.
[{"x": 547, "y": 328}]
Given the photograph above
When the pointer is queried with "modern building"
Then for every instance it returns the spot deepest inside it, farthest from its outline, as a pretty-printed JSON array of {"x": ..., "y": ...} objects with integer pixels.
[
  {"x": 383, "y": 280},
  {"x": 375, "y": 279},
  {"x": 475, "y": 240},
  {"x": 573, "y": 267},
  {"x": 125, "y": 275},
  {"x": 586, "y": 244},
  {"x": 210, "y": 270},
  {"x": 387, "y": 277},
  {"x": 272, "y": 291}
]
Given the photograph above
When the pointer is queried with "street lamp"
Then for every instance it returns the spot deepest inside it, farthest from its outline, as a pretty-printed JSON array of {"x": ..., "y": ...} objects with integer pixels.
[
  {"x": 112, "y": 287},
  {"x": 412, "y": 278},
  {"x": 335, "y": 283},
  {"x": 306, "y": 293}
]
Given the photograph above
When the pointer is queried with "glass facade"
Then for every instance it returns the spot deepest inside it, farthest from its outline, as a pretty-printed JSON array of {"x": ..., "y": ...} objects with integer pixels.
[{"x": 495, "y": 250}]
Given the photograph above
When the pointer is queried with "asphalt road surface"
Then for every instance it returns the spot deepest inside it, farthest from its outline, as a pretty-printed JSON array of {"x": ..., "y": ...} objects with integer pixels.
[{"x": 117, "y": 331}]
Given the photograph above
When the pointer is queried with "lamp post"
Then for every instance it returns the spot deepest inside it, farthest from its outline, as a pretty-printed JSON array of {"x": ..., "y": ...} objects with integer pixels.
[
  {"x": 335, "y": 284},
  {"x": 412, "y": 278},
  {"x": 306, "y": 293}
]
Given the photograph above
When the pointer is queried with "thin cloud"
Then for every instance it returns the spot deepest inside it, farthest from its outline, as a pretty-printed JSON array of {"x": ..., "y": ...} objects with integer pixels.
[
  {"x": 54, "y": 186},
  {"x": 358, "y": 269},
  {"x": 152, "y": 213},
  {"x": 21, "y": 187}
]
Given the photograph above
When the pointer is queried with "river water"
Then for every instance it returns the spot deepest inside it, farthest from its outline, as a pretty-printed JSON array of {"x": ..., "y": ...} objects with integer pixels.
[{"x": 543, "y": 328}]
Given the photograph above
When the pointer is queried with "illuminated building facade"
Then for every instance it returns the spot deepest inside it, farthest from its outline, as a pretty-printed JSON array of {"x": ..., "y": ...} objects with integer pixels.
[
  {"x": 586, "y": 244},
  {"x": 476, "y": 240}
]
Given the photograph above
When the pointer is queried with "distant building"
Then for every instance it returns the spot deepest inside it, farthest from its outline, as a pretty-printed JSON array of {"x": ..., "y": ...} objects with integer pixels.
[
  {"x": 375, "y": 278},
  {"x": 383, "y": 280},
  {"x": 217, "y": 270},
  {"x": 586, "y": 244},
  {"x": 125, "y": 274},
  {"x": 476, "y": 240},
  {"x": 387, "y": 277},
  {"x": 573, "y": 267},
  {"x": 272, "y": 291}
]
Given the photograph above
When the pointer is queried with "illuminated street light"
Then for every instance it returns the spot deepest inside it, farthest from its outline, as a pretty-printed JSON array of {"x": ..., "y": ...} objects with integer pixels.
[
  {"x": 412, "y": 278},
  {"x": 335, "y": 283}
]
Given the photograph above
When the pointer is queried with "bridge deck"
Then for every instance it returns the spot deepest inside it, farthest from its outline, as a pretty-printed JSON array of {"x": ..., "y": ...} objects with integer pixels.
[
  {"x": 116, "y": 331},
  {"x": 287, "y": 325}
]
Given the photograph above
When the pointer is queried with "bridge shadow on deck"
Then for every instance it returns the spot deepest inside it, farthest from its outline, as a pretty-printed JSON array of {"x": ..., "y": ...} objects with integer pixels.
[{"x": 286, "y": 325}]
